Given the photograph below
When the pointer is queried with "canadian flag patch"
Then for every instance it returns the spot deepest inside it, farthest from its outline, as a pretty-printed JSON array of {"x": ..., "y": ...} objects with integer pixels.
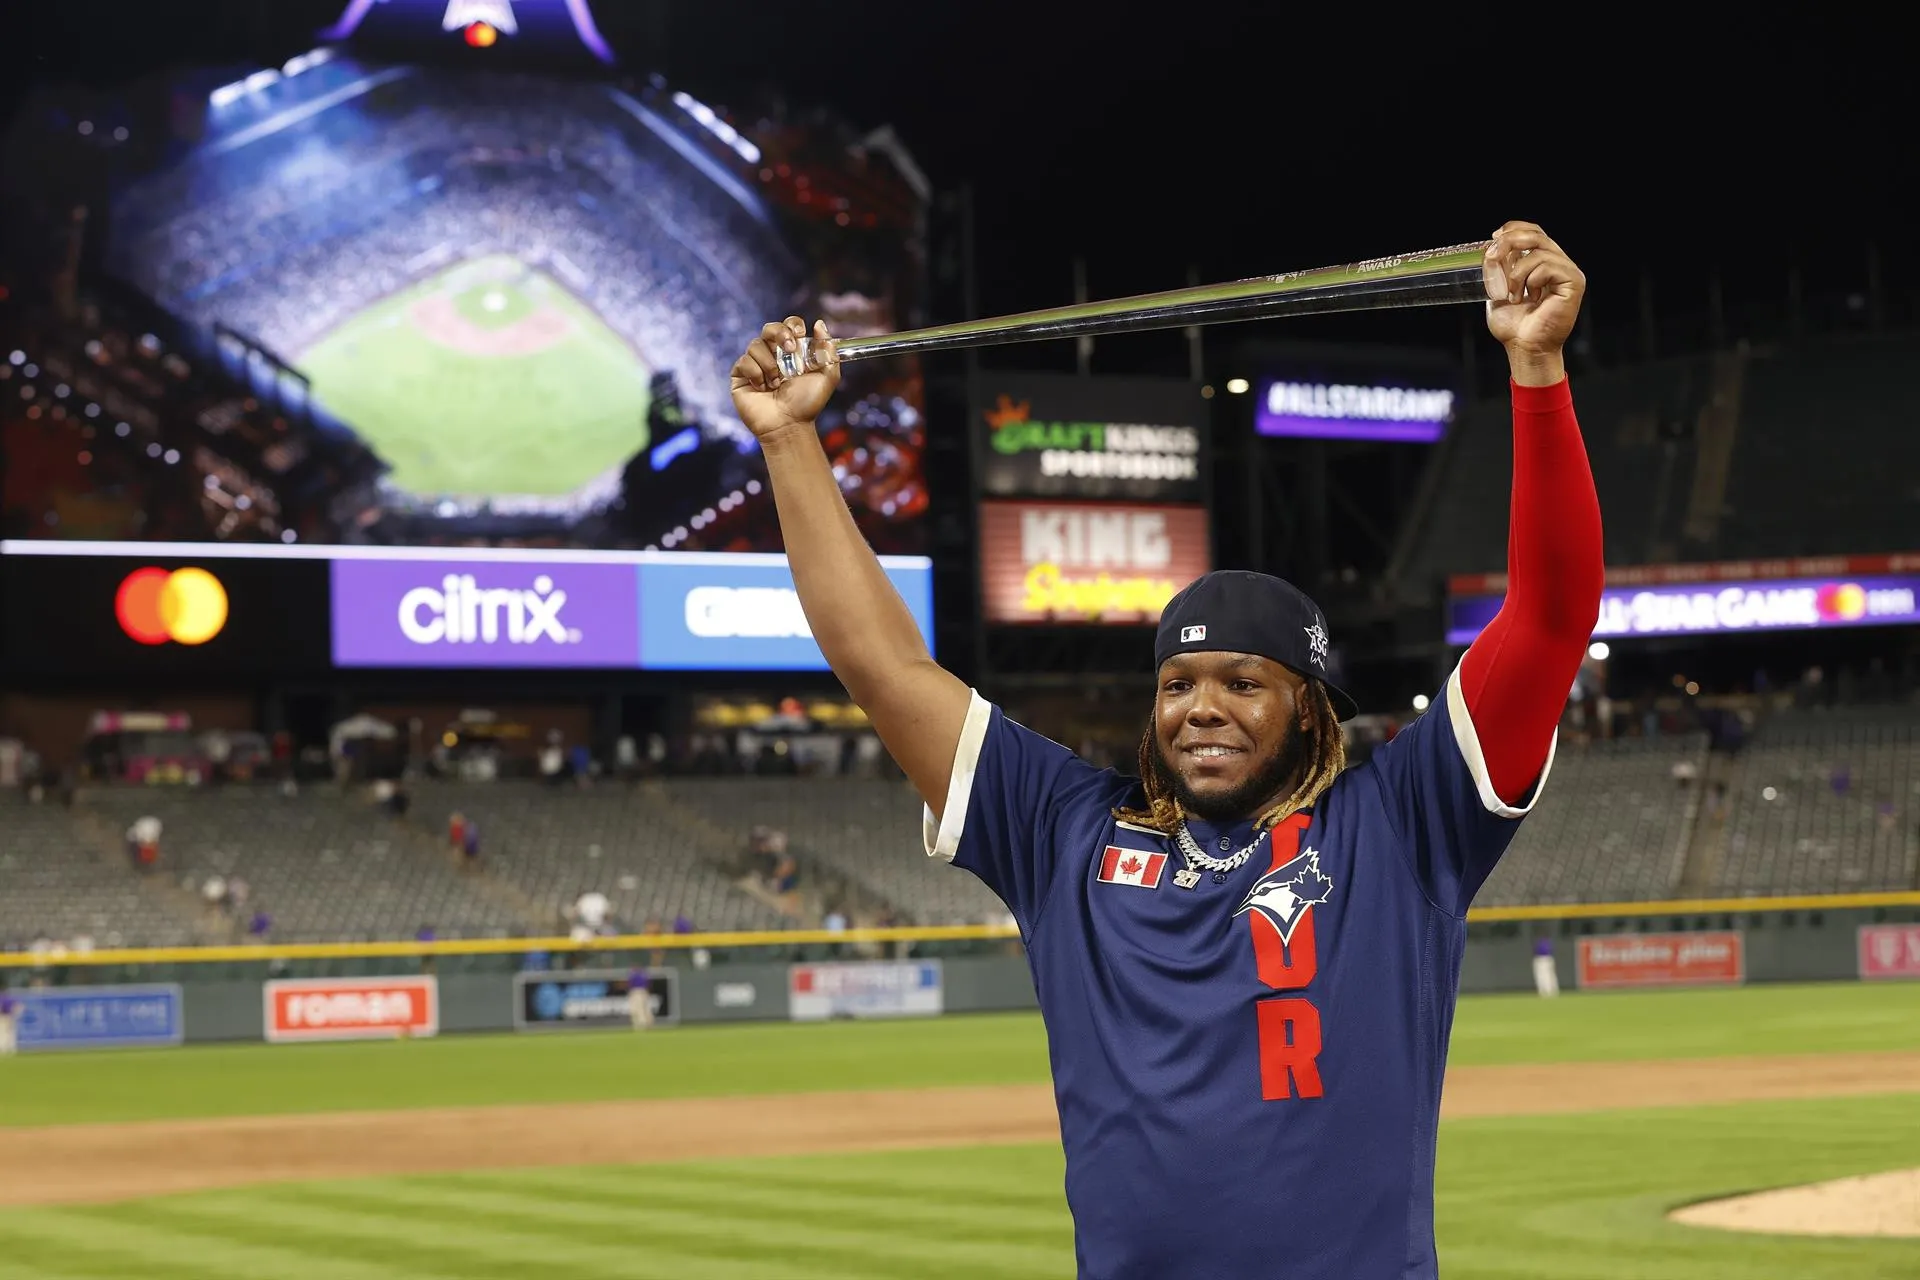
[{"x": 1131, "y": 866}]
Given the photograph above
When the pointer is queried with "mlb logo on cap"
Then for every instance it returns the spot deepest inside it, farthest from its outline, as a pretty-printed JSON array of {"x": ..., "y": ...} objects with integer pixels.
[{"x": 1189, "y": 634}]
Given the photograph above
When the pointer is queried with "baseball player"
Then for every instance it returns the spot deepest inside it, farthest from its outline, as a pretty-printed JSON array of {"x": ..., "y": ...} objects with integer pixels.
[
  {"x": 639, "y": 999},
  {"x": 1247, "y": 955}
]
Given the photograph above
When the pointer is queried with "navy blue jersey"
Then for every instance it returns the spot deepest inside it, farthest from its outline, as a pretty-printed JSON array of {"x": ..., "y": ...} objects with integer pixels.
[{"x": 1248, "y": 1072}]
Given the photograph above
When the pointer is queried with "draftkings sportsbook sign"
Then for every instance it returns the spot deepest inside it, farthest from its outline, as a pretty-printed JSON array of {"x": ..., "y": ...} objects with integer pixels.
[{"x": 1061, "y": 436}]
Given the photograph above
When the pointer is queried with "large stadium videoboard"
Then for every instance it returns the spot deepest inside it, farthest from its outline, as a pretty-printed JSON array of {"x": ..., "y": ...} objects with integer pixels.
[
  {"x": 174, "y": 613},
  {"x": 238, "y": 610},
  {"x": 366, "y": 303}
]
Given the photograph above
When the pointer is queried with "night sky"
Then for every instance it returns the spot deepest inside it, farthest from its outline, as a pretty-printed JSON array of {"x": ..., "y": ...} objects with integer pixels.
[{"x": 1242, "y": 139}]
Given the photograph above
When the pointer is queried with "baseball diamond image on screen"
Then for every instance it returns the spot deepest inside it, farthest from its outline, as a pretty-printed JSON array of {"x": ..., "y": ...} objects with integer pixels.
[{"x": 356, "y": 301}]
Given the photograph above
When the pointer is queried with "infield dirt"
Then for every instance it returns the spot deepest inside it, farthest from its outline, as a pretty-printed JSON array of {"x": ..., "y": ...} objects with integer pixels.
[{"x": 73, "y": 1164}]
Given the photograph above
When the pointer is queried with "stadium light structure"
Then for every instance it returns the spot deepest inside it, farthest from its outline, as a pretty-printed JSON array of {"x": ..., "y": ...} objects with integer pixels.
[
  {"x": 266, "y": 78},
  {"x": 710, "y": 121}
]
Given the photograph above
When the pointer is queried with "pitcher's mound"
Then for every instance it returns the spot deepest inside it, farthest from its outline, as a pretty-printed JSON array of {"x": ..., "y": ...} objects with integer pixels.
[{"x": 1879, "y": 1204}]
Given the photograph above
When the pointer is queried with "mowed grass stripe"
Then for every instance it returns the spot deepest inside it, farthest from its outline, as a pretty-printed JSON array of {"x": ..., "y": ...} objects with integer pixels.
[
  {"x": 139, "y": 1240},
  {"x": 773, "y": 1231},
  {"x": 234, "y": 1220},
  {"x": 448, "y": 1242},
  {"x": 1017, "y": 1176},
  {"x": 681, "y": 1244},
  {"x": 927, "y": 1214},
  {"x": 44, "y": 1269}
]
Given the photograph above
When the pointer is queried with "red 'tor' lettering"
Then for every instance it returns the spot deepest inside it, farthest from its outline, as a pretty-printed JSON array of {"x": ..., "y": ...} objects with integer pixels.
[
  {"x": 1289, "y": 1028},
  {"x": 1289, "y": 1045},
  {"x": 1283, "y": 967}
]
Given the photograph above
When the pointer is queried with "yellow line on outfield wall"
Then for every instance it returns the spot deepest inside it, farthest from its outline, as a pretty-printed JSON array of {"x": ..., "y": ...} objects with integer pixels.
[
  {"x": 909, "y": 933},
  {"x": 510, "y": 946},
  {"x": 1697, "y": 906}
]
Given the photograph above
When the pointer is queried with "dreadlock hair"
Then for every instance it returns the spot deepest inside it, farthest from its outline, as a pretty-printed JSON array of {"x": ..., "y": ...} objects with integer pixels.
[{"x": 1326, "y": 757}]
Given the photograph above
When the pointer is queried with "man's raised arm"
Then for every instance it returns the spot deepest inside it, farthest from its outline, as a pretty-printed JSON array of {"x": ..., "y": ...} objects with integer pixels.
[{"x": 864, "y": 629}]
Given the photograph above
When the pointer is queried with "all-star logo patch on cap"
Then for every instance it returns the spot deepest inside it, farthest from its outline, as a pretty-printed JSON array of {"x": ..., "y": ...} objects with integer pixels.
[{"x": 1237, "y": 611}]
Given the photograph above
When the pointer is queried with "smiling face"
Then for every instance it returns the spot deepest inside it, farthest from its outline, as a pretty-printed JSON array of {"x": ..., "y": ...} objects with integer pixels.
[{"x": 1230, "y": 733}]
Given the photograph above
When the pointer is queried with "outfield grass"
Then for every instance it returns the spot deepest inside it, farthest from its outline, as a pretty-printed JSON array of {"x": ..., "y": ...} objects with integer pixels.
[
  {"x": 686, "y": 1062},
  {"x": 1575, "y": 1197},
  {"x": 1613, "y": 1026},
  {"x": 1585, "y": 1197},
  {"x": 1572, "y": 1197},
  {"x": 243, "y": 1079},
  {"x": 450, "y": 422}
]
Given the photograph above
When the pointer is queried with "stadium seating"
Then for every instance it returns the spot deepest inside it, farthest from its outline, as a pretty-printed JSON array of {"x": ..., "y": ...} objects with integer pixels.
[
  {"x": 1828, "y": 460},
  {"x": 1640, "y": 476},
  {"x": 1795, "y": 450},
  {"x": 1825, "y": 803},
  {"x": 554, "y": 844},
  {"x": 58, "y": 884},
  {"x": 1817, "y": 802},
  {"x": 1613, "y": 825},
  {"x": 867, "y": 830},
  {"x": 321, "y": 865}
]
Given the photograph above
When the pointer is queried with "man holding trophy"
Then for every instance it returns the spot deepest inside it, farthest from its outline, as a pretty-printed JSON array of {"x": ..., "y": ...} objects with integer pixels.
[{"x": 1247, "y": 953}]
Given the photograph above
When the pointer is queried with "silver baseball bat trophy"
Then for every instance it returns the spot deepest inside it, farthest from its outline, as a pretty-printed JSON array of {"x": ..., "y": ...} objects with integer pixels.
[{"x": 1436, "y": 277}]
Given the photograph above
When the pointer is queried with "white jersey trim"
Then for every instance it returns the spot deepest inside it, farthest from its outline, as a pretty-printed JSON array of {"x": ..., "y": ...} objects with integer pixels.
[
  {"x": 942, "y": 839},
  {"x": 1468, "y": 739}
]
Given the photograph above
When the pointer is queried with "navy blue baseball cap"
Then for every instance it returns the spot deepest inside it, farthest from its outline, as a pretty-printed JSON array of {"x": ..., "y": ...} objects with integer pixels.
[{"x": 1236, "y": 611}]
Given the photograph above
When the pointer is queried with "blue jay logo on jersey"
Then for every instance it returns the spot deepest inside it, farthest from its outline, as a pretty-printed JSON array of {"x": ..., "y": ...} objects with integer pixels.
[{"x": 1284, "y": 894}]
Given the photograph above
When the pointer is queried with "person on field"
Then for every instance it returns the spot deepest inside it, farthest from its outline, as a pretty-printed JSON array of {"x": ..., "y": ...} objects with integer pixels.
[{"x": 1246, "y": 952}]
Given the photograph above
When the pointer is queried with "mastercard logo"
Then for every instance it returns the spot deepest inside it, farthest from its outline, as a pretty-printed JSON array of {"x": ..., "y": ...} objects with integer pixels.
[
  {"x": 185, "y": 606},
  {"x": 1841, "y": 601}
]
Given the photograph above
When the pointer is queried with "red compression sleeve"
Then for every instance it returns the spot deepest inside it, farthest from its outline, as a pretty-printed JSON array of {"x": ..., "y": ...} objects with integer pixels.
[{"x": 1517, "y": 673}]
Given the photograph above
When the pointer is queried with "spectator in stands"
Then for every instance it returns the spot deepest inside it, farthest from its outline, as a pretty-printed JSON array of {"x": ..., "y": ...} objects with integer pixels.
[
  {"x": 457, "y": 832},
  {"x": 588, "y": 915},
  {"x": 580, "y": 760},
  {"x": 143, "y": 843},
  {"x": 552, "y": 760},
  {"x": 653, "y": 929},
  {"x": 626, "y": 757},
  {"x": 786, "y": 872}
]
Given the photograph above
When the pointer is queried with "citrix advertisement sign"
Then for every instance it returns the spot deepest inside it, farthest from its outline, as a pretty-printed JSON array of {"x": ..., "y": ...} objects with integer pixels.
[{"x": 703, "y": 613}]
